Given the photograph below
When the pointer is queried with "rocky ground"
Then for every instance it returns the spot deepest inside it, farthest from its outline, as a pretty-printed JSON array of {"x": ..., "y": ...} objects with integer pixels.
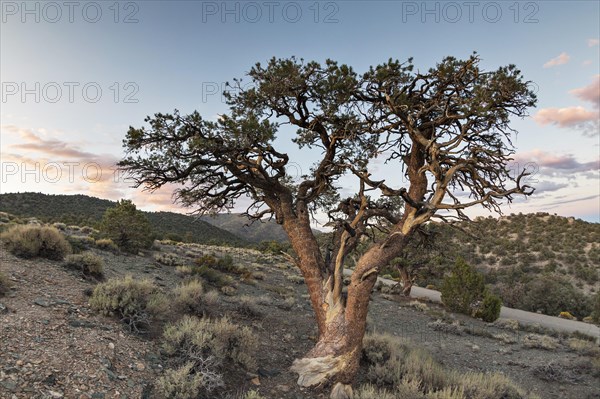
[{"x": 52, "y": 345}]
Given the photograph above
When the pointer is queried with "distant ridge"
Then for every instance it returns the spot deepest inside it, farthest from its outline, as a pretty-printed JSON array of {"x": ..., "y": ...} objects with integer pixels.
[
  {"x": 241, "y": 226},
  {"x": 85, "y": 210}
]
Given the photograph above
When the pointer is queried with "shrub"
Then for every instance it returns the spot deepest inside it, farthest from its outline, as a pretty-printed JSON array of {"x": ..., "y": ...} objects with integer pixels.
[
  {"x": 36, "y": 241},
  {"x": 596, "y": 308},
  {"x": 213, "y": 277},
  {"x": 247, "y": 306},
  {"x": 183, "y": 270},
  {"x": 87, "y": 262},
  {"x": 463, "y": 289},
  {"x": 190, "y": 297},
  {"x": 168, "y": 259},
  {"x": 135, "y": 303},
  {"x": 396, "y": 369},
  {"x": 221, "y": 341},
  {"x": 490, "y": 308},
  {"x": 564, "y": 297},
  {"x": 540, "y": 341},
  {"x": 253, "y": 395},
  {"x": 4, "y": 284},
  {"x": 188, "y": 381},
  {"x": 566, "y": 315},
  {"x": 60, "y": 226},
  {"x": 127, "y": 227},
  {"x": 106, "y": 244},
  {"x": 80, "y": 243}
]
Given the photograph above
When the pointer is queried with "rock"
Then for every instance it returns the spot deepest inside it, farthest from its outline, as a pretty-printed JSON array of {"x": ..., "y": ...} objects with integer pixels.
[
  {"x": 55, "y": 394},
  {"x": 111, "y": 346},
  {"x": 283, "y": 388},
  {"x": 267, "y": 373},
  {"x": 3, "y": 308},
  {"x": 11, "y": 386},
  {"x": 98, "y": 395},
  {"x": 255, "y": 381},
  {"x": 42, "y": 302},
  {"x": 140, "y": 366}
]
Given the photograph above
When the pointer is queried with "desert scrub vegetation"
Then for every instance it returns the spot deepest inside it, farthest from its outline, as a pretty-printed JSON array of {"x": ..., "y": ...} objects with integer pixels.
[
  {"x": 190, "y": 297},
  {"x": 168, "y": 259},
  {"x": 464, "y": 291},
  {"x": 396, "y": 369},
  {"x": 32, "y": 241},
  {"x": 540, "y": 341},
  {"x": 4, "y": 284},
  {"x": 136, "y": 303},
  {"x": 201, "y": 349},
  {"x": 106, "y": 244},
  {"x": 127, "y": 227},
  {"x": 88, "y": 263},
  {"x": 227, "y": 343}
]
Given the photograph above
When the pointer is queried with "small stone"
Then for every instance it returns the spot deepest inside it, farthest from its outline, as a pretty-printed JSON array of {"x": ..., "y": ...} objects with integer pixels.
[
  {"x": 475, "y": 347},
  {"x": 255, "y": 381},
  {"x": 282, "y": 388},
  {"x": 3, "y": 308},
  {"x": 55, "y": 394},
  {"x": 42, "y": 302},
  {"x": 140, "y": 366},
  {"x": 9, "y": 385},
  {"x": 98, "y": 395}
]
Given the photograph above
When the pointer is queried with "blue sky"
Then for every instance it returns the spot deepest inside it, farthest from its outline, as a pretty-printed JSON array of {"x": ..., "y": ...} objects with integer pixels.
[{"x": 95, "y": 68}]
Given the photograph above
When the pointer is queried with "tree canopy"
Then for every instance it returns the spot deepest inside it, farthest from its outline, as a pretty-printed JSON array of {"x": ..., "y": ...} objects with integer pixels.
[{"x": 447, "y": 130}]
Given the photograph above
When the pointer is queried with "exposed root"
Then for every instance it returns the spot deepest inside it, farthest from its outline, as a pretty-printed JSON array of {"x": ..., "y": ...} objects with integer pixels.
[
  {"x": 342, "y": 391},
  {"x": 316, "y": 370}
]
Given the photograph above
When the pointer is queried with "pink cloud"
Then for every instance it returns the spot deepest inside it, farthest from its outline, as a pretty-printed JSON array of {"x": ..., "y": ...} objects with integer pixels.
[
  {"x": 561, "y": 59},
  {"x": 565, "y": 117},
  {"x": 556, "y": 162},
  {"x": 593, "y": 42},
  {"x": 589, "y": 93}
]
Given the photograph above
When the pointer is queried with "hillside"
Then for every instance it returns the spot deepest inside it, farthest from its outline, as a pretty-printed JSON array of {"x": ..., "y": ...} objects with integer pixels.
[
  {"x": 536, "y": 262},
  {"x": 241, "y": 226},
  {"x": 85, "y": 210},
  {"x": 54, "y": 344}
]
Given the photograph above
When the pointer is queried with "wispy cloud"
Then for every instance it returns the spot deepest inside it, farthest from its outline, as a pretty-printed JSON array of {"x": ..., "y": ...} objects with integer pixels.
[
  {"x": 593, "y": 42},
  {"x": 589, "y": 93},
  {"x": 561, "y": 59},
  {"x": 577, "y": 117},
  {"x": 565, "y": 117},
  {"x": 566, "y": 163}
]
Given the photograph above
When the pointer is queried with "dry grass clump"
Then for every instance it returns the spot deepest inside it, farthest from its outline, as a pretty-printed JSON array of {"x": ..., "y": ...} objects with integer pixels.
[
  {"x": 135, "y": 303},
  {"x": 584, "y": 347},
  {"x": 399, "y": 370},
  {"x": 540, "y": 341},
  {"x": 248, "y": 306},
  {"x": 190, "y": 297},
  {"x": 59, "y": 226},
  {"x": 183, "y": 270},
  {"x": 420, "y": 306},
  {"x": 188, "y": 381},
  {"x": 252, "y": 395},
  {"x": 5, "y": 284},
  {"x": 88, "y": 263},
  {"x": 168, "y": 259},
  {"x": 228, "y": 343},
  {"x": 295, "y": 279},
  {"x": 106, "y": 244},
  {"x": 32, "y": 241},
  {"x": 507, "y": 324}
]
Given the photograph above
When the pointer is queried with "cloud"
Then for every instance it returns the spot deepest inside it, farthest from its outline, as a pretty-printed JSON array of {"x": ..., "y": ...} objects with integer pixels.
[
  {"x": 593, "y": 42},
  {"x": 561, "y": 59},
  {"x": 589, "y": 93},
  {"x": 548, "y": 186},
  {"x": 545, "y": 159},
  {"x": 566, "y": 117}
]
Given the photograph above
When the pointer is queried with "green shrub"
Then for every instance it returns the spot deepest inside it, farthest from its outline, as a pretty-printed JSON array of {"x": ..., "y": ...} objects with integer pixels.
[
  {"x": 87, "y": 262},
  {"x": 222, "y": 341},
  {"x": 5, "y": 284},
  {"x": 463, "y": 288},
  {"x": 135, "y": 303},
  {"x": 596, "y": 308},
  {"x": 213, "y": 277},
  {"x": 36, "y": 241},
  {"x": 80, "y": 243},
  {"x": 127, "y": 227},
  {"x": 490, "y": 308}
]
